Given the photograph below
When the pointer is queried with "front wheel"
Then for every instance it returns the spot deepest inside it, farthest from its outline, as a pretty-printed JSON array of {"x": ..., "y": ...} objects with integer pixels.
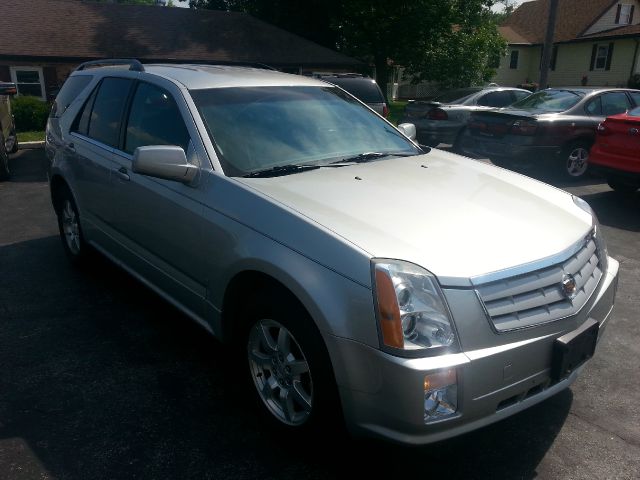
[
  {"x": 575, "y": 160},
  {"x": 289, "y": 366}
]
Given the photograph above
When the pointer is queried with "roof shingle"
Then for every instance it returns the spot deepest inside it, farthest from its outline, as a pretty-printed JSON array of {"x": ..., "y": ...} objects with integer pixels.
[{"x": 78, "y": 29}]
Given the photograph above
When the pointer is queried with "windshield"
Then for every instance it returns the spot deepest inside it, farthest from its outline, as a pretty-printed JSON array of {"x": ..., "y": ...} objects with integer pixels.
[
  {"x": 456, "y": 96},
  {"x": 550, "y": 100},
  {"x": 256, "y": 128}
]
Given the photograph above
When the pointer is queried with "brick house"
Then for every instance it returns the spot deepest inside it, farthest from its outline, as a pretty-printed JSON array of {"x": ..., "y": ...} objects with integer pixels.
[
  {"x": 44, "y": 40},
  {"x": 596, "y": 39}
]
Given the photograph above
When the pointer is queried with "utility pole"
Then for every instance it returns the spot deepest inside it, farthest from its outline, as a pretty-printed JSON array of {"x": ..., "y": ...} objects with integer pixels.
[{"x": 548, "y": 44}]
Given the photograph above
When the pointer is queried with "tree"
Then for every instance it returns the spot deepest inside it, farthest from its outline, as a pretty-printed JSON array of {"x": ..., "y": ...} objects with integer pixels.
[{"x": 453, "y": 43}]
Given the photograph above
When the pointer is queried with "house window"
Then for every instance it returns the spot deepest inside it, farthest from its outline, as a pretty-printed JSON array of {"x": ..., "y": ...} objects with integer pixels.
[
  {"x": 625, "y": 14},
  {"x": 513, "y": 62},
  {"x": 29, "y": 80},
  {"x": 601, "y": 57}
]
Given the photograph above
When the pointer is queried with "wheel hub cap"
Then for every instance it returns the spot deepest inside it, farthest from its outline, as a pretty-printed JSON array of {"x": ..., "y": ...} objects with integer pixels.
[
  {"x": 577, "y": 162},
  {"x": 280, "y": 372}
]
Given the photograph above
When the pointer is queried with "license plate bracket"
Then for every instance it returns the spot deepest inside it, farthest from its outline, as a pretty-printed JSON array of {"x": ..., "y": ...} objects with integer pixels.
[{"x": 573, "y": 349}]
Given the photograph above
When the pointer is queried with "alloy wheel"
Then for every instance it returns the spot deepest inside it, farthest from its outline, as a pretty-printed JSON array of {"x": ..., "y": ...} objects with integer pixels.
[
  {"x": 71, "y": 228},
  {"x": 577, "y": 162},
  {"x": 280, "y": 372}
]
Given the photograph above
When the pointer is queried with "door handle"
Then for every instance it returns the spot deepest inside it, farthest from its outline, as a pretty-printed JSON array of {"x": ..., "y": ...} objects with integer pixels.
[{"x": 122, "y": 174}]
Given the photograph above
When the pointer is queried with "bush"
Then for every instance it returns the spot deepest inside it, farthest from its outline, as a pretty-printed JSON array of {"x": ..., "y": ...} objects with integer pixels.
[
  {"x": 30, "y": 113},
  {"x": 634, "y": 81}
]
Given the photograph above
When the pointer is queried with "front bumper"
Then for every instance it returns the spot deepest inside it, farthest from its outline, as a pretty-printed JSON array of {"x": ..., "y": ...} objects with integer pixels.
[{"x": 383, "y": 395}]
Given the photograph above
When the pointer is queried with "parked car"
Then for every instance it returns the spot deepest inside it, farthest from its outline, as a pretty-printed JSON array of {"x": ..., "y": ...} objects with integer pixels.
[
  {"x": 553, "y": 128},
  {"x": 8, "y": 137},
  {"x": 328, "y": 250},
  {"x": 616, "y": 153},
  {"x": 442, "y": 119},
  {"x": 363, "y": 88}
]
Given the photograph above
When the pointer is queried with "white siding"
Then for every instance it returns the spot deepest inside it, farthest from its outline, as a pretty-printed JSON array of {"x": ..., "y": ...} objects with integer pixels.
[
  {"x": 608, "y": 20},
  {"x": 511, "y": 77}
]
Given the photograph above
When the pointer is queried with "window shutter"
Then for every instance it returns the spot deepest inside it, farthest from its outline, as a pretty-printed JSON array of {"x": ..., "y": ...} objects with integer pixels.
[
  {"x": 618, "y": 13},
  {"x": 633, "y": 7},
  {"x": 554, "y": 56},
  {"x": 594, "y": 52},
  {"x": 5, "y": 74},
  {"x": 50, "y": 81},
  {"x": 609, "y": 56}
]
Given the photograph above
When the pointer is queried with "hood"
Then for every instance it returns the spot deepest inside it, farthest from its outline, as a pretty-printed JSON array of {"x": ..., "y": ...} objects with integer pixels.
[{"x": 458, "y": 218}]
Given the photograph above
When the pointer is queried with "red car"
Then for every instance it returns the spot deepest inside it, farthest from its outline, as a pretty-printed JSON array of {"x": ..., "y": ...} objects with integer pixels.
[{"x": 616, "y": 153}]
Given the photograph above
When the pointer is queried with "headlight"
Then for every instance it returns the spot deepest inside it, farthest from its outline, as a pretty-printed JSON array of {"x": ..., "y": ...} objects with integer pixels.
[
  {"x": 412, "y": 314},
  {"x": 597, "y": 231}
]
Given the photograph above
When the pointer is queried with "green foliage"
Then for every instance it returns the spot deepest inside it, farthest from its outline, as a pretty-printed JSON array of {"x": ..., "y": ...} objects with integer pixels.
[
  {"x": 453, "y": 42},
  {"x": 30, "y": 113}
]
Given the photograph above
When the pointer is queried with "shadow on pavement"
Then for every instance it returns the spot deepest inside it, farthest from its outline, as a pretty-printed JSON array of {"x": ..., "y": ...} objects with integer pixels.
[
  {"x": 28, "y": 166},
  {"x": 101, "y": 378},
  {"x": 616, "y": 210}
]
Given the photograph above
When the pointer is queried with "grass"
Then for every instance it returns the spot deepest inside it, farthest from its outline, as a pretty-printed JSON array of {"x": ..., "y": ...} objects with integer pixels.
[
  {"x": 31, "y": 136},
  {"x": 395, "y": 111}
]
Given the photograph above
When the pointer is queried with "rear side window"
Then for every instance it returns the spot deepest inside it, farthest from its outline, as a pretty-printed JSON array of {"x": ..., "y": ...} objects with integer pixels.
[
  {"x": 365, "y": 90},
  {"x": 154, "y": 120},
  {"x": 104, "y": 122},
  {"x": 68, "y": 93},
  {"x": 496, "y": 99},
  {"x": 518, "y": 95}
]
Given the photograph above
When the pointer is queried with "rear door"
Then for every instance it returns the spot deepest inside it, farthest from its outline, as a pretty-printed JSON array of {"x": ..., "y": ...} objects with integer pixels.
[{"x": 90, "y": 146}]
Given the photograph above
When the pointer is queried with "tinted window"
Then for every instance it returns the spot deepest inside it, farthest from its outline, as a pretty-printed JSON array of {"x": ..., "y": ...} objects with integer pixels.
[
  {"x": 364, "y": 89},
  {"x": 550, "y": 100},
  {"x": 154, "y": 120},
  {"x": 104, "y": 124},
  {"x": 456, "y": 96},
  {"x": 518, "y": 95},
  {"x": 70, "y": 90},
  {"x": 614, "y": 103},
  {"x": 636, "y": 97},
  {"x": 81, "y": 123},
  {"x": 594, "y": 107},
  {"x": 496, "y": 99},
  {"x": 255, "y": 128}
]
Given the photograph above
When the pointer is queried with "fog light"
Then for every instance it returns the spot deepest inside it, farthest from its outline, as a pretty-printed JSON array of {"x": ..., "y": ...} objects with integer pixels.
[{"x": 440, "y": 395}]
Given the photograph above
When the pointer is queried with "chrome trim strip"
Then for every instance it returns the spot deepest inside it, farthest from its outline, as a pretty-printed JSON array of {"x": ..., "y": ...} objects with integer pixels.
[{"x": 533, "y": 266}]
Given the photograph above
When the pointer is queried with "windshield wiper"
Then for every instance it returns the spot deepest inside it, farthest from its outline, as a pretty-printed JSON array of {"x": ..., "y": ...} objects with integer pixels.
[
  {"x": 282, "y": 170},
  {"x": 368, "y": 156}
]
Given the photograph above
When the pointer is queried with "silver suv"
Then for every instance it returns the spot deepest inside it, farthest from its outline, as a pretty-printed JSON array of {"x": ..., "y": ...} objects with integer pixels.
[{"x": 415, "y": 294}]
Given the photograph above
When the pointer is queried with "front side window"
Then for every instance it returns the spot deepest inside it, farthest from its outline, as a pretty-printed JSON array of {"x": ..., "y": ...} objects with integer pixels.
[
  {"x": 614, "y": 103},
  {"x": 104, "y": 123},
  {"x": 29, "y": 80},
  {"x": 154, "y": 120},
  {"x": 257, "y": 128},
  {"x": 550, "y": 100},
  {"x": 636, "y": 97}
]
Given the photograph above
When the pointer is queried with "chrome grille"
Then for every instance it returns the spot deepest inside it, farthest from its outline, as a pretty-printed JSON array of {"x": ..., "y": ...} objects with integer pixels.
[{"x": 538, "y": 297}]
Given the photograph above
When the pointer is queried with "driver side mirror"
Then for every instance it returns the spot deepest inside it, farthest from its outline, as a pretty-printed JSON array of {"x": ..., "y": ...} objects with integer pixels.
[
  {"x": 408, "y": 130},
  {"x": 8, "y": 88},
  {"x": 163, "y": 161}
]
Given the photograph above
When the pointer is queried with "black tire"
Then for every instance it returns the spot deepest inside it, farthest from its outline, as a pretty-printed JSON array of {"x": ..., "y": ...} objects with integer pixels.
[
  {"x": 75, "y": 247},
  {"x": 457, "y": 143},
  {"x": 573, "y": 164},
  {"x": 14, "y": 149},
  {"x": 623, "y": 188},
  {"x": 4, "y": 160},
  {"x": 273, "y": 305}
]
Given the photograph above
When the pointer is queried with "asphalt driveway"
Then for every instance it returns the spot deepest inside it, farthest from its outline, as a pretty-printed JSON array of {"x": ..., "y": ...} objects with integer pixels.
[{"x": 100, "y": 378}]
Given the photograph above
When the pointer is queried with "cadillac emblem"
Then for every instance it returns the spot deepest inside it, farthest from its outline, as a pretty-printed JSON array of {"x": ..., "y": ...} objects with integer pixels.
[{"x": 569, "y": 287}]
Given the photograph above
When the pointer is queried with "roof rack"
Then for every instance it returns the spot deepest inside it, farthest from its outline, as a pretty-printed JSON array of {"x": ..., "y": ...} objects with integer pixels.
[
  {"x": 134, "y": 64},
  {"x": 262, "y": 66}
]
